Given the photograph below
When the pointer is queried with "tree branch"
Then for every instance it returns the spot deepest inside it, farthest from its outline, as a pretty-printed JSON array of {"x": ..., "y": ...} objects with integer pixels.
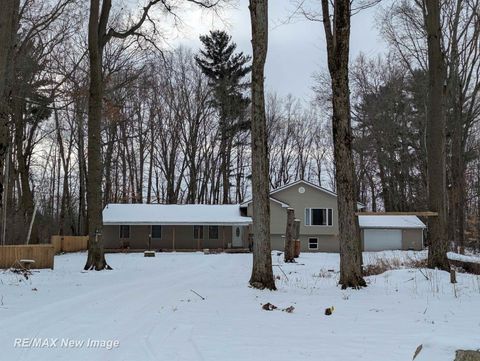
[{"x": 327, "y": 24}]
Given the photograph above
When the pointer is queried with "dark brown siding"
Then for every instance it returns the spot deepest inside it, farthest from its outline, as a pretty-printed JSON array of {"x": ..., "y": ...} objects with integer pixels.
[{"x": 183, "y": 238}]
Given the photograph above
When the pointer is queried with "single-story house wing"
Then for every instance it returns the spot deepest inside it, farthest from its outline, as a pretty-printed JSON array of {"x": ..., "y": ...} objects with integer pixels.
[{"x": 174, "y": 227}]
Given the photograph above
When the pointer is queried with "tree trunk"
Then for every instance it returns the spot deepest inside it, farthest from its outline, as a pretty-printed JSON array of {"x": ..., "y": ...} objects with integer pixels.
[
  {"x": 456, "y": 227},
  {"x": 96, "y": 256},
  {"x": 225, "y": 169},
  {"x": 349, "y": 233},
  {"x": 262, "y": 274},
  {"x": 289, "y": 254},
  {"x": 438, "y": 244},
  {"x": 26, "y": 196},
  {"x": 150, "y": 162},
  {"x": 82, "y": 216},
  {"x": 112, "y": 131},
  {"x": 8, "y": 31}
]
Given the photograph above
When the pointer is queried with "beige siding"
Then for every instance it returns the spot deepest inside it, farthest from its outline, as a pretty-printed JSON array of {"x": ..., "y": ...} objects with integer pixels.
[
  {"x": 327, "y": 235},
  {"x": 326, "y": 243},
  {"x": 278, "y": 217},
  {"x": 277, "y": 242},
  {"x": 312, "y": 198},
  {"x": 412, "y": 239}
]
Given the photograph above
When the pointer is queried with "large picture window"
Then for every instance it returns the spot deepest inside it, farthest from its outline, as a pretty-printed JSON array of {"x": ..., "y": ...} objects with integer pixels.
[
  {"x": 212, "y": 232},
  {"x": 156, "y": 231},
  {"x": 197, "y": 232},
  {"x": 124, "y": 231},
  {"x": 318, "y": 216}
]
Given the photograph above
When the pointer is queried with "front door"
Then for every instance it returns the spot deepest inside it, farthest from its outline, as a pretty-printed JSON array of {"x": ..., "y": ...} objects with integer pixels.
[{"x": 237, "y": 236}]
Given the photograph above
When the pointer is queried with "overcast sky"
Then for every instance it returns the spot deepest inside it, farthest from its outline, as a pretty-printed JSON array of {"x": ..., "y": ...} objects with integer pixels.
[{"x": 296, "y": 49}]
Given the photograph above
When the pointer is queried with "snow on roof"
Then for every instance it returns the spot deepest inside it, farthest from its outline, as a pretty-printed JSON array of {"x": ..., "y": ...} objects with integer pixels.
[
  {"x": 384, "y": 221},
  {"x": 248, "y": 201},
  {"x": 174, "y": 214},
  {"x": 462, "y": 257}
]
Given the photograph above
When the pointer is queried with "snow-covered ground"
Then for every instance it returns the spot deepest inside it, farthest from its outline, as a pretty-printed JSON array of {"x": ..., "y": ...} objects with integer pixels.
[{"x": 147, "y": 306}]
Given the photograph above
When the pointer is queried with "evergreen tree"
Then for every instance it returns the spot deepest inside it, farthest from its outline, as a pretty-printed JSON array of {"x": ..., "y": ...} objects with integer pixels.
[{"x": 226, "y": 71}]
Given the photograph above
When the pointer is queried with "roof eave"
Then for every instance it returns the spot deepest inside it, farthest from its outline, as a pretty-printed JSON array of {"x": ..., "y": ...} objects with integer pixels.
[
  {"x": 394, "y": 227},
  {"x": 130, "y": 223}
]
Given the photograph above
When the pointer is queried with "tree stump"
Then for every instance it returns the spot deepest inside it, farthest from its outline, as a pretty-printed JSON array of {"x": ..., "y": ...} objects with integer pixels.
[
  {"x": 453, "y": 276},
  {"x": 289, "y": 236},
  {"x": 467, "y": 355}
]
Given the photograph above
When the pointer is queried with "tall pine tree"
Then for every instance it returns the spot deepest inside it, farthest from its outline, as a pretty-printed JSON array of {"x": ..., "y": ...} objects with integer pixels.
[{"x": 226, "y": 71}]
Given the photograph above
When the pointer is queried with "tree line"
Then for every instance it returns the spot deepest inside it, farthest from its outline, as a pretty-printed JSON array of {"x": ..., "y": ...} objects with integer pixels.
[
  {"x": 94, "y": 110},
  {"x": 163, "y": 139}
]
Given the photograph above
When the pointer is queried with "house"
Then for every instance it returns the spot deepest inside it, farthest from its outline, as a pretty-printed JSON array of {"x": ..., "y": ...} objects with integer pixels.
[
  {"x": 174, "y": 227},
  {"x": 316, "y": 207},
  {"x": 199, "y": 226}
]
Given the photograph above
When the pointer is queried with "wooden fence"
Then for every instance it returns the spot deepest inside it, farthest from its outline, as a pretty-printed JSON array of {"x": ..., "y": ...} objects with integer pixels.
[
  {"x": 42, "y": 254},
  {"x": 69, "y": 243}
]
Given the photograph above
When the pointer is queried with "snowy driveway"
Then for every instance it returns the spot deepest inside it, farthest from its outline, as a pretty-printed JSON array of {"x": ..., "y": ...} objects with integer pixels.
[{"x": 147, "y": 306}]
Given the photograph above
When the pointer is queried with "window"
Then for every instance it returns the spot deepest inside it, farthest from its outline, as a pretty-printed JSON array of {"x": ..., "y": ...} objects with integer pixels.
[
  {"x": 197, "y": 232},
  {"x": 313, "y": 243},
  {"x": 318, "y": 216},
  {"x": 124, "y": 231},
  {"x": 213, "y": 232},
  {"x": 156, "y": 232}
]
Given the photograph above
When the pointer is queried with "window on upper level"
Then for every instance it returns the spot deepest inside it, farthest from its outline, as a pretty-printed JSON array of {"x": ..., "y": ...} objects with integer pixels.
[{"x": 318, "y": 216}]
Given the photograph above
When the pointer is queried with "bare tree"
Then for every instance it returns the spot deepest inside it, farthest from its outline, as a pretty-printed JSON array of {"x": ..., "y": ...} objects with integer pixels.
[
  {"x": 98, "y": 37},
  {"x": 262, "y": 273},
  {"x": 438, "y": 245},
  {"x": 338, "y": 43},
  {"x": 403, "y": 26},
  {"x": 8, "y": 31}
]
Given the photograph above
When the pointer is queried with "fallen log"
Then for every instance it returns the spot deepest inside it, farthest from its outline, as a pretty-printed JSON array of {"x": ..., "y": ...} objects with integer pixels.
[{"x": 469, "y": 267}]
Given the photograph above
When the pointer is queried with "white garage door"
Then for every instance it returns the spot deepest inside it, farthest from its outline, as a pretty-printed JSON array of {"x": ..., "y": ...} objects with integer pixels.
[{"x": 382, "y": 239}]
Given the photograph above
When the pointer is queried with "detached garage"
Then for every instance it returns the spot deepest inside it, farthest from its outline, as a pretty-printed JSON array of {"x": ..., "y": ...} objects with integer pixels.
[{"x": 384, "y": 232}]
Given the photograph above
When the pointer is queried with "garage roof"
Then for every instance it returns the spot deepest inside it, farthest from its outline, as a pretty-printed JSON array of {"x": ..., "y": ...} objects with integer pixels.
[
  {"x": 385, "y": 221},
  {"x": 174, "y": 214}
]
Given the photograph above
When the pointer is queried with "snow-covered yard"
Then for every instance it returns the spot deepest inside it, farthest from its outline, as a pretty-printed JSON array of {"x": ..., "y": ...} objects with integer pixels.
[{"x": 147, "y": 306}]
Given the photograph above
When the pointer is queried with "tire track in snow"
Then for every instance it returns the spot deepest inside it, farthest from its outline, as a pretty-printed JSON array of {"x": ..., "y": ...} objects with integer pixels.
[{"x": 59, "y": 312}]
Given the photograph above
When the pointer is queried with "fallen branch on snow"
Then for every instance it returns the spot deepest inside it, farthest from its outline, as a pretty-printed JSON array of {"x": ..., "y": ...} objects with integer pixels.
[{"x": 203, "y": 298}]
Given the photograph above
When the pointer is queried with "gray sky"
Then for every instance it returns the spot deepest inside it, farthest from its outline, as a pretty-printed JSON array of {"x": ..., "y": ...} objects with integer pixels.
[{"x": 296, "y": 50}]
